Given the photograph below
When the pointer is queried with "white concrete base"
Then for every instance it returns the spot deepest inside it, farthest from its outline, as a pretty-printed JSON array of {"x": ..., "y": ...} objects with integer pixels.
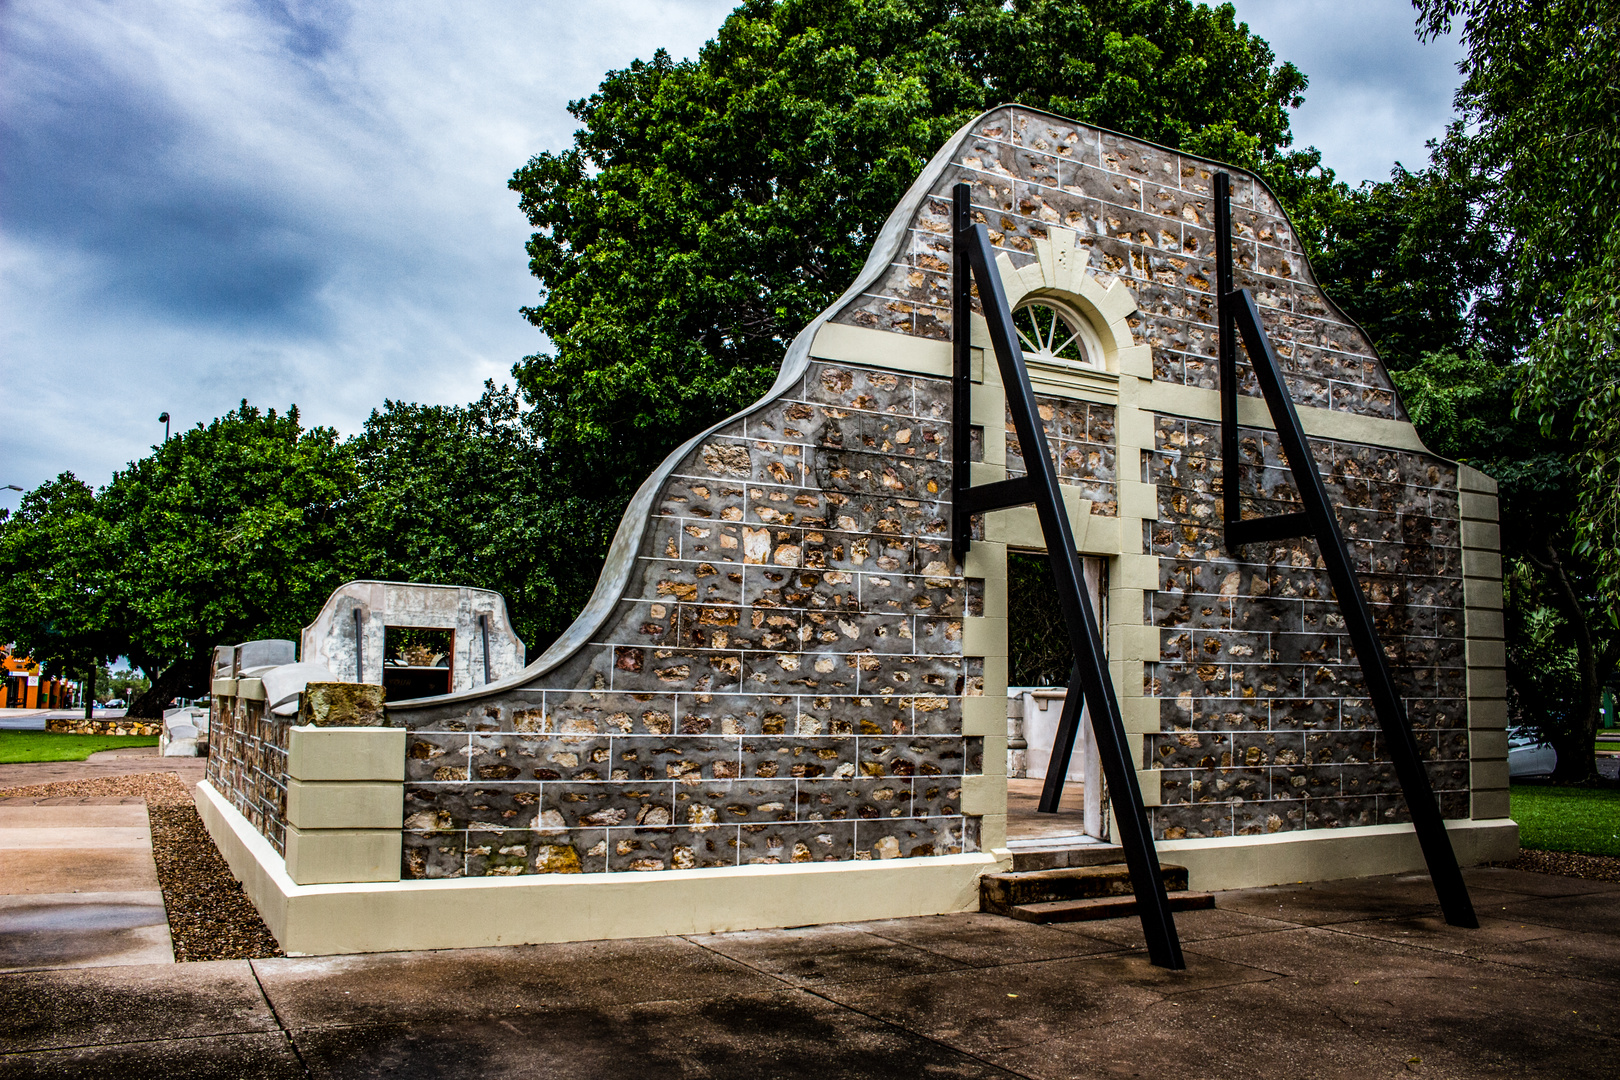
[
  {"x": 1247, "y": 862},
  {"x": 472, "y": 912}
]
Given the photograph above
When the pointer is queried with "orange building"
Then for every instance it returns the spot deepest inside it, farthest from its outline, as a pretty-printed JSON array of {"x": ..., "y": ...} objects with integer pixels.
[{"x": 28, "y": 688}]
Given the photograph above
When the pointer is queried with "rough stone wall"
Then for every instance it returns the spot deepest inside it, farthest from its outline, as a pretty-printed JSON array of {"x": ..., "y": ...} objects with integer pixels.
[
  {"x": 1265, "y": 725},
  {"x": 247, "y": 763},
  {"x": 1080, "y": 437},
  {"x": 1147, "y": 216},
  {"x": 119, "y": 726},
  {"x": 782, "y": 684}
]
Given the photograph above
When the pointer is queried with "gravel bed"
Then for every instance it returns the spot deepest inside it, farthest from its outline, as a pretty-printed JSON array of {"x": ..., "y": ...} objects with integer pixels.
[
  {"x": 210, "y": 918},
  {"x": 1567, "y": 864}
]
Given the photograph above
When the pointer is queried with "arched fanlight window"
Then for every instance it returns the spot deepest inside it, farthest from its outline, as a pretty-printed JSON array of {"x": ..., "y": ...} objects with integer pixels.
[{"x": 1053, "y": 334}]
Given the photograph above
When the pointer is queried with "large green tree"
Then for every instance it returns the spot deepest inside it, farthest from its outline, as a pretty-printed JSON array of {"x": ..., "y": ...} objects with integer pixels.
[
  {"x": 1536, "y": 152},
  {"x": 225, "y": 533},
  {"x": 452, "y": 494},
  {"x": 708, "y": 209},
  {"x": 56, "y": 568}
]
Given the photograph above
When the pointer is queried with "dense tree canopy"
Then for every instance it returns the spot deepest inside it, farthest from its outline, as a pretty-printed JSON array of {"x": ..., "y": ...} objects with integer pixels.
[
  {"x": 709, "y": 209},
  {"x": 1488, "y": 280},
  {"x": 56, "y": 564}
]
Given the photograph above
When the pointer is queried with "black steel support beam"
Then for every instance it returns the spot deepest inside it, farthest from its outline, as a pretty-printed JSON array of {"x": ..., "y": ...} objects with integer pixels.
[
  {"x": 1261, "y": 530},
  {"x": 1227, "y": 353},
  {"x": 1000, "y": 495},
  {"x": 961, "y": 378},
  {"x": 1239, "y": 312},
  {"x": 1085, "y": 638}
]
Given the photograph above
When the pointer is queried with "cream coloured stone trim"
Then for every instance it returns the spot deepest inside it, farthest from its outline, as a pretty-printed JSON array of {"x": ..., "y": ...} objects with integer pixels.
[
  {"x": 846, "y": 344},
  {"x": 315, "y": 753},
  {"x": 1471, "y": 479},
  {"x": 1487, "y": 622},
  {"x": 1486, "y": 714},
  {"x": 984, "y": 716},
  {"x": 1246, "y": 862},
  {"x": 223, "y": 688},
  {"x": 339, "y": 804},
  {"x": 327, "y": 856},
  {"x": 250, "y": 689},
  {"x": 1488, "y": 745},
  {"x": 982, "y": 636},
  {"x": 1487, "y": 775},
  {"x": 536, "y": 908},
  {"x": 1486, "y": 535},
  {"x": 1485, "y": 652},
  {"x": 1197, "y": 403}
]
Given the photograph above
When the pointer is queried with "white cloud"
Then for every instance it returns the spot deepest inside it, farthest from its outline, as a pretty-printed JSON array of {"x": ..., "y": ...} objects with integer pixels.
[
  {"x": 206, "y": 200},
  {"x": 1377, "y": 93}
]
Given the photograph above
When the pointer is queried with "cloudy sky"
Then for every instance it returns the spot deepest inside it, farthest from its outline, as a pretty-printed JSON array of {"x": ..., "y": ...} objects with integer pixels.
[{"x": 301, "y": 201}]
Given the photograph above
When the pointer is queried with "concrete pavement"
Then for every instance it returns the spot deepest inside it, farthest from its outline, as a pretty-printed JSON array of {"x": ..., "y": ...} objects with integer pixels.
[
  {"x": 78, "y": 886},
  {"x": 1346, "y": 979}
]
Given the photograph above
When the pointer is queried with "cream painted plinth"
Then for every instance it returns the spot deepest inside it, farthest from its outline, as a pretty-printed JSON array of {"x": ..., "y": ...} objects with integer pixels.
[
  {"x": 472, "y": 912},
  {"x": 1248, "y": 862}
]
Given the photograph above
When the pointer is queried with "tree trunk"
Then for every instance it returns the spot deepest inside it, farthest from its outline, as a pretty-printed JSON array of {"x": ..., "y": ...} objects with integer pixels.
[
  {"x": 90, "y": 692},
  {"x": 1577, "y": 757},
  {"x": 178, "y": 677}
]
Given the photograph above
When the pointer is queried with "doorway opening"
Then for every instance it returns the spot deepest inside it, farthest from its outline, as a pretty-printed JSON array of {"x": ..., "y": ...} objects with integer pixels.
[
  {"x": 416, "y": 662},
  {"x": 1038, "y": 669}
]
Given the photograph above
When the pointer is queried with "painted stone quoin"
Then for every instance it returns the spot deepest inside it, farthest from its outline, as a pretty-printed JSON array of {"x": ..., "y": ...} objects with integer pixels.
[{"x": 784, "y": 662}]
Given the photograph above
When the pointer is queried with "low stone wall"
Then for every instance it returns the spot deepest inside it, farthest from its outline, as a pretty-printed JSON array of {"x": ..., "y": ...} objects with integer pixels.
[
  {"x": 247, "y": 762},
  {"x": 116, "y": 726}
]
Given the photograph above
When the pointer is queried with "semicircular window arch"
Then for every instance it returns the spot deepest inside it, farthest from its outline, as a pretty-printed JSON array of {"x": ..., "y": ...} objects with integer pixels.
[{"x": 1055, "y": 334}]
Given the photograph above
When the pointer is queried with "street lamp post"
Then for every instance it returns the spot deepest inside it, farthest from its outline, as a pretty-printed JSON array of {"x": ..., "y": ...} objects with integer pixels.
[{"x": 163, "y": 417}]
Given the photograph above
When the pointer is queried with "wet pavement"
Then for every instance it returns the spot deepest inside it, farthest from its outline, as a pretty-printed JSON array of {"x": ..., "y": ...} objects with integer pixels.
[
  {"x": 1345, "y": 979},
  {"x": 78, "y": 886}
]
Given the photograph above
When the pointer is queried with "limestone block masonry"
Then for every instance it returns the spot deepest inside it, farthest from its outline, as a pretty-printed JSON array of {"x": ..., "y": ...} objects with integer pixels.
[
  {"x": 345, "y": 797},
  {"x": 786, "y": 699}
]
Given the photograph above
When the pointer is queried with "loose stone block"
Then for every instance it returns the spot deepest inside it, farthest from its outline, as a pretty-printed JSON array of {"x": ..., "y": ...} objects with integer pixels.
[{"x": 341, "y": 705}]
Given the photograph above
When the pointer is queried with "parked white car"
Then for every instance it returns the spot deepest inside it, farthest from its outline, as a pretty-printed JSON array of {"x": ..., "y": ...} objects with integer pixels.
[{"x": 1528, "y": 756}]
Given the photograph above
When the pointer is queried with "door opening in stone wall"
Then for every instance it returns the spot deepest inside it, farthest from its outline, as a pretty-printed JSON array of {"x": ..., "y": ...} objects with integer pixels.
[{"x": 1038, "y": 669}]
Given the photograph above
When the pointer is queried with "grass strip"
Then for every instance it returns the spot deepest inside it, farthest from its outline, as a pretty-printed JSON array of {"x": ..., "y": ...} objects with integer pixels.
[
  {"x": 24, "y": 746},
  {"x": 1578, "y": 819}
]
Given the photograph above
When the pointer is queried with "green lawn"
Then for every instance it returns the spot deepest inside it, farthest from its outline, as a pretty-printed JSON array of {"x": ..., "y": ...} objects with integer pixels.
[
  {"x": 18, "y": 746},
  {"x": 1586, "y": 820}
]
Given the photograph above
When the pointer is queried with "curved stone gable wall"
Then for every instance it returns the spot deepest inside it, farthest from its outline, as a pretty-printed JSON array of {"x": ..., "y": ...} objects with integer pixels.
[
  {"x": 1145, "y": 214},
  {"x": 782, "y": 658},
  {"x": 1260, "y": 724}
]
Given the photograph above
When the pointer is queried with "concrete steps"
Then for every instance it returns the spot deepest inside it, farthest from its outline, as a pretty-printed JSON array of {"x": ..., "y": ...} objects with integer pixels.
[{"x": 1095, "y": 889}]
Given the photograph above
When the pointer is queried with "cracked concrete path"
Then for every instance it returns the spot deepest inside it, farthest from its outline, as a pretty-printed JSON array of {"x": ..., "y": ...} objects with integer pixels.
[
  {"x": 1345, "y": 979},
  {"x": 78, "y": 887}
]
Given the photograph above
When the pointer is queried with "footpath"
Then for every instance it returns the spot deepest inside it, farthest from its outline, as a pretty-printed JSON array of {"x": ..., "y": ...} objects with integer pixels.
[
  {"x": 78, "y": 887},
  {"x": 1348, "y": 979}
]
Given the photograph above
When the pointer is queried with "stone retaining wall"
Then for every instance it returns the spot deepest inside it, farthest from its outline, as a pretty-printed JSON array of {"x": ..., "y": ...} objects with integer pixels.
[{"x": 111, "y": 726}]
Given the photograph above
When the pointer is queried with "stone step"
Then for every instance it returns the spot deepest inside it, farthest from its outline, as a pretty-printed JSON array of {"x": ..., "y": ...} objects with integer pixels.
[
  {"x": 1059, "y": 857},
  {"x": 1102, "y": 907},
  {"x": 1000, "y": 893}
]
